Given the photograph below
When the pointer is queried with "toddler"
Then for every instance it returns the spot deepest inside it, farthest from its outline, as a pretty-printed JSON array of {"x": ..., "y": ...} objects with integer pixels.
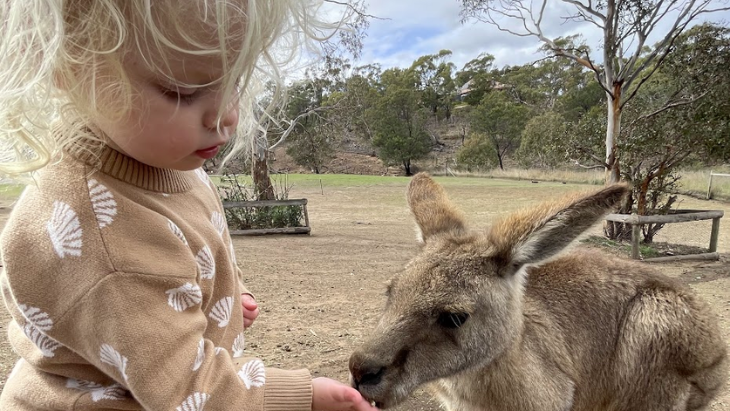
[{"x": 119, "y": 272}]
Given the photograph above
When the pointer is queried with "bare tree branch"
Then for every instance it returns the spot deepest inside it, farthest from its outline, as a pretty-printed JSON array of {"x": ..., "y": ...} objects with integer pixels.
[
  {"x": 661, "y": 50},
  {"x": 295, "y": 121},
  {"x": 666, "y": 107},
  {"x": 649, "y": 74},
  {"x": 356, "y": 10},
  {"x": 586, "y": 10},
  {"x": 577, "y": 163}
]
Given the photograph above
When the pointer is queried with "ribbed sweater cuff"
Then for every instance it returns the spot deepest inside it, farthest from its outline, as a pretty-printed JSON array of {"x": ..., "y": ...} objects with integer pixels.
[{"x": 288, "y": 390}]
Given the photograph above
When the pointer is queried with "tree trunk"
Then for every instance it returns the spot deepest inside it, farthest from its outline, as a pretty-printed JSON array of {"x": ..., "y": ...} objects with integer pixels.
[
  {"x": 613, "y": 129},
  {"x": 407, "y": 167},
  {"x": 260, "y": 173},
  {"x": 611, "y": 229},
  {"x": 499, "y": 154},
  {"x": 643, "y": 193}
]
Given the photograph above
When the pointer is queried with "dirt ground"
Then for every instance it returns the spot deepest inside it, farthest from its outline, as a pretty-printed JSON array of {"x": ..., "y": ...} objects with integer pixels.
[{"x": 321, "y": 294}]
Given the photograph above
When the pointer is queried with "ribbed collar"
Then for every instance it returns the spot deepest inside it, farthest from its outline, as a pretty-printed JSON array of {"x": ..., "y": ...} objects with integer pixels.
[{"x": 106, "y": 160}]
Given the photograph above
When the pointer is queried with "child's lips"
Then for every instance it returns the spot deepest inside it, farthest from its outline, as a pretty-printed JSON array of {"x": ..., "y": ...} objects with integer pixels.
[{"x": 208, "y": 153}]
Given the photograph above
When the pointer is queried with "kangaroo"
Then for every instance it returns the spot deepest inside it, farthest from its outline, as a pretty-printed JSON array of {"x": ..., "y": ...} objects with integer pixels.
[{"x": 498, "y": 320}]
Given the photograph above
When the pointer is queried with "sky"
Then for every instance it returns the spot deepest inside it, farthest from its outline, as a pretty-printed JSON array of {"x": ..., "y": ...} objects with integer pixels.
[{"x": 408, "y": 29}]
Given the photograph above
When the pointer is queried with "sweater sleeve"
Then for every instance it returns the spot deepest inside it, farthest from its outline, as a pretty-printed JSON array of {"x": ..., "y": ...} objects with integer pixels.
[
  {"x": 157, "y": 349},
  {"x": 244, "y": 289}
]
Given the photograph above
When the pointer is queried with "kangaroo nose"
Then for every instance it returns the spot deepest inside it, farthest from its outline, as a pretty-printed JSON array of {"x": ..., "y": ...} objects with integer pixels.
[
  {"x": 365, "y": 372},
  {"x": 369, "y": 377}
]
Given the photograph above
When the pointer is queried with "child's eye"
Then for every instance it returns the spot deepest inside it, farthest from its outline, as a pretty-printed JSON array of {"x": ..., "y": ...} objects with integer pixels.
[{"x": 186, "y": 96}]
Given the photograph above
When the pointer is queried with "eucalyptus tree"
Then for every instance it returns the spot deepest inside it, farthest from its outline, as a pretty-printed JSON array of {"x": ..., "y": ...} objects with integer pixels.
[
  {"x": 502, "y": 120},
  {"x": 436, "y": 82},
  {"x": 625, "y": 25},
  {"x": 474, "y": 78},
  {"x": 346, "y": 40},
  {"x": 681, "y": 114},
  {"x": 399, "y": 120}
]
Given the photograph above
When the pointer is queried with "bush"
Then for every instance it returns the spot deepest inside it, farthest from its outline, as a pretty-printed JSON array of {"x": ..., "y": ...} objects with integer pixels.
[{"x": 477, "y": 154}]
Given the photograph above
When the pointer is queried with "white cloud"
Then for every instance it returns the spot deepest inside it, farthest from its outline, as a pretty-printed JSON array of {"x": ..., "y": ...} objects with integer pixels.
[{"x": 413, "y": 28}]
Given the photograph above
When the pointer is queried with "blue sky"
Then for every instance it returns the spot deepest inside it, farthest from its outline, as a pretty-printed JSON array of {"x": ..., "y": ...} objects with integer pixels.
[{"x": 412, "y": 28}]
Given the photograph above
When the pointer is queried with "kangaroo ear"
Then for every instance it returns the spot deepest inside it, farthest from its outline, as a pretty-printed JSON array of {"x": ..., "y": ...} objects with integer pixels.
[
  {"x": 535, "y": 234},
  {"x": 432, "y": 209}
]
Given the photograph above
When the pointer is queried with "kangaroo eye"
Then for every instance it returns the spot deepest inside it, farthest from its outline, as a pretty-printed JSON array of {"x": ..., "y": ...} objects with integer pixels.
[{"x": 452, "y": 320}]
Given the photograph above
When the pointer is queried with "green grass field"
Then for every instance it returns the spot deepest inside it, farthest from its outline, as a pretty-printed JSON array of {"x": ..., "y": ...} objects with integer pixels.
[
  {"x": 353, "y": 180},
  {"x": 693, "y": 182},
  {"x": 9, "y": 192}
]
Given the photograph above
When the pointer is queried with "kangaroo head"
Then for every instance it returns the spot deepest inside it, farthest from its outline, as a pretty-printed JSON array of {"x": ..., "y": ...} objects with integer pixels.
[{"x": 458, "y": 304}]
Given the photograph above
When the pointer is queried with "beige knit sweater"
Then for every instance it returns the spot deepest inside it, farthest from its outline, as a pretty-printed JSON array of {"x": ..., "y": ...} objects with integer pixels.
[{"x": 124, "y": 293}]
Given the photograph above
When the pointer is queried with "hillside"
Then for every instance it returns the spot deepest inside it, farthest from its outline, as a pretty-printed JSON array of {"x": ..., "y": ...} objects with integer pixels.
[{"x": 354, "y": 156}]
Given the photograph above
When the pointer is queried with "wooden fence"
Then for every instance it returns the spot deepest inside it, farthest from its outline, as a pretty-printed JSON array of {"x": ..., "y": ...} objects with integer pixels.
[
  {"x": 306, "y": 229},
  {"x": 678, "y": 216}
]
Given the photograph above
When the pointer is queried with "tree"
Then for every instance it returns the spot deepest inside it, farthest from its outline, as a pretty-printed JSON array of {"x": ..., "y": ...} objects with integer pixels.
[
  {"x": 348, "y": 107},
  {"x": 625, "y": 25},
  {"x": 578, "y": 100},
  {"x": 346, "y": 40},
  {"x": 436, "y": 83},
  {"x": 480, "y": 65},
  {"x": 478, "y": 153},
  {"x": 399, "y": 121},
  {"x": 311, "y": 148},
  {"x": 475, "y": 76},
  {"x": 502, "y": 120},
  {"x": 682, "y": 112},
  {"x": 541, "y": 139}
]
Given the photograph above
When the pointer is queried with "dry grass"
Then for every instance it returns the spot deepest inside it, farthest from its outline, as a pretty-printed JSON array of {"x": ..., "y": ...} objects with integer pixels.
[
  {"x": 692, "y": 183},
  {"x": 574, "y": 176},
  {"x": 696, "y": 182}
]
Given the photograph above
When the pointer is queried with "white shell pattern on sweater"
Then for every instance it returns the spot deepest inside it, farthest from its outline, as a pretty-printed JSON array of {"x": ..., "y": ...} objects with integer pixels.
[{"x": 66, "y": 236}]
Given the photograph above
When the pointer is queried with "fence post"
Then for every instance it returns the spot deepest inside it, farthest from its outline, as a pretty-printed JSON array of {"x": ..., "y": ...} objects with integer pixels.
[
  {"x": 635, "y": 237},
  {"x": 709, "y": 187},
  {"x": 714, "y": 234}
]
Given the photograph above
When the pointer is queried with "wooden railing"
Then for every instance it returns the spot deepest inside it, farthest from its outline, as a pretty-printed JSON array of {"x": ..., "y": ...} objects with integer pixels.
[{"x": 678, "y": 216}]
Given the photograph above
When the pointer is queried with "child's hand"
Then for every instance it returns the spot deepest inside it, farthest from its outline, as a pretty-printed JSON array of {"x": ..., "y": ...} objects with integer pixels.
[
  {"x": 331, "y": 395},
  {"x": 250, "y": 309}
]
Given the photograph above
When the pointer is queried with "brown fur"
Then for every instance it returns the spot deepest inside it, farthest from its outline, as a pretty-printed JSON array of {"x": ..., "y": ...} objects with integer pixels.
[{"x": 580, "y": 331}]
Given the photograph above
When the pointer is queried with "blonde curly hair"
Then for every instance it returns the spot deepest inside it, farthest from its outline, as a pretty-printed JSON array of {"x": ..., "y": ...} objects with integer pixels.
[{"x": 54, "y": 52}]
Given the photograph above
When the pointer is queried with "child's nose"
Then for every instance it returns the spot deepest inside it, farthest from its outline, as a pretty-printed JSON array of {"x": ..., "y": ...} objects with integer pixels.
[{"x": 229, "y": 118}]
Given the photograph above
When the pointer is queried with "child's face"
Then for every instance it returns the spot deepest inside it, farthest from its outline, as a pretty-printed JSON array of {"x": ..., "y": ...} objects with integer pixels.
[{"x": 170, "y": 127}]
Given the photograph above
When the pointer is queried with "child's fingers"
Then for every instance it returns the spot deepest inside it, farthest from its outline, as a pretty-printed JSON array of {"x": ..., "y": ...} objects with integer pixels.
[
  {"x": 359, "y": 403},
  {"x": 250, "y": 309},
  {"x": 250, "y": 314},
  {"x": 355, "y": 400},
  {"x": 248, "y": 302}
]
